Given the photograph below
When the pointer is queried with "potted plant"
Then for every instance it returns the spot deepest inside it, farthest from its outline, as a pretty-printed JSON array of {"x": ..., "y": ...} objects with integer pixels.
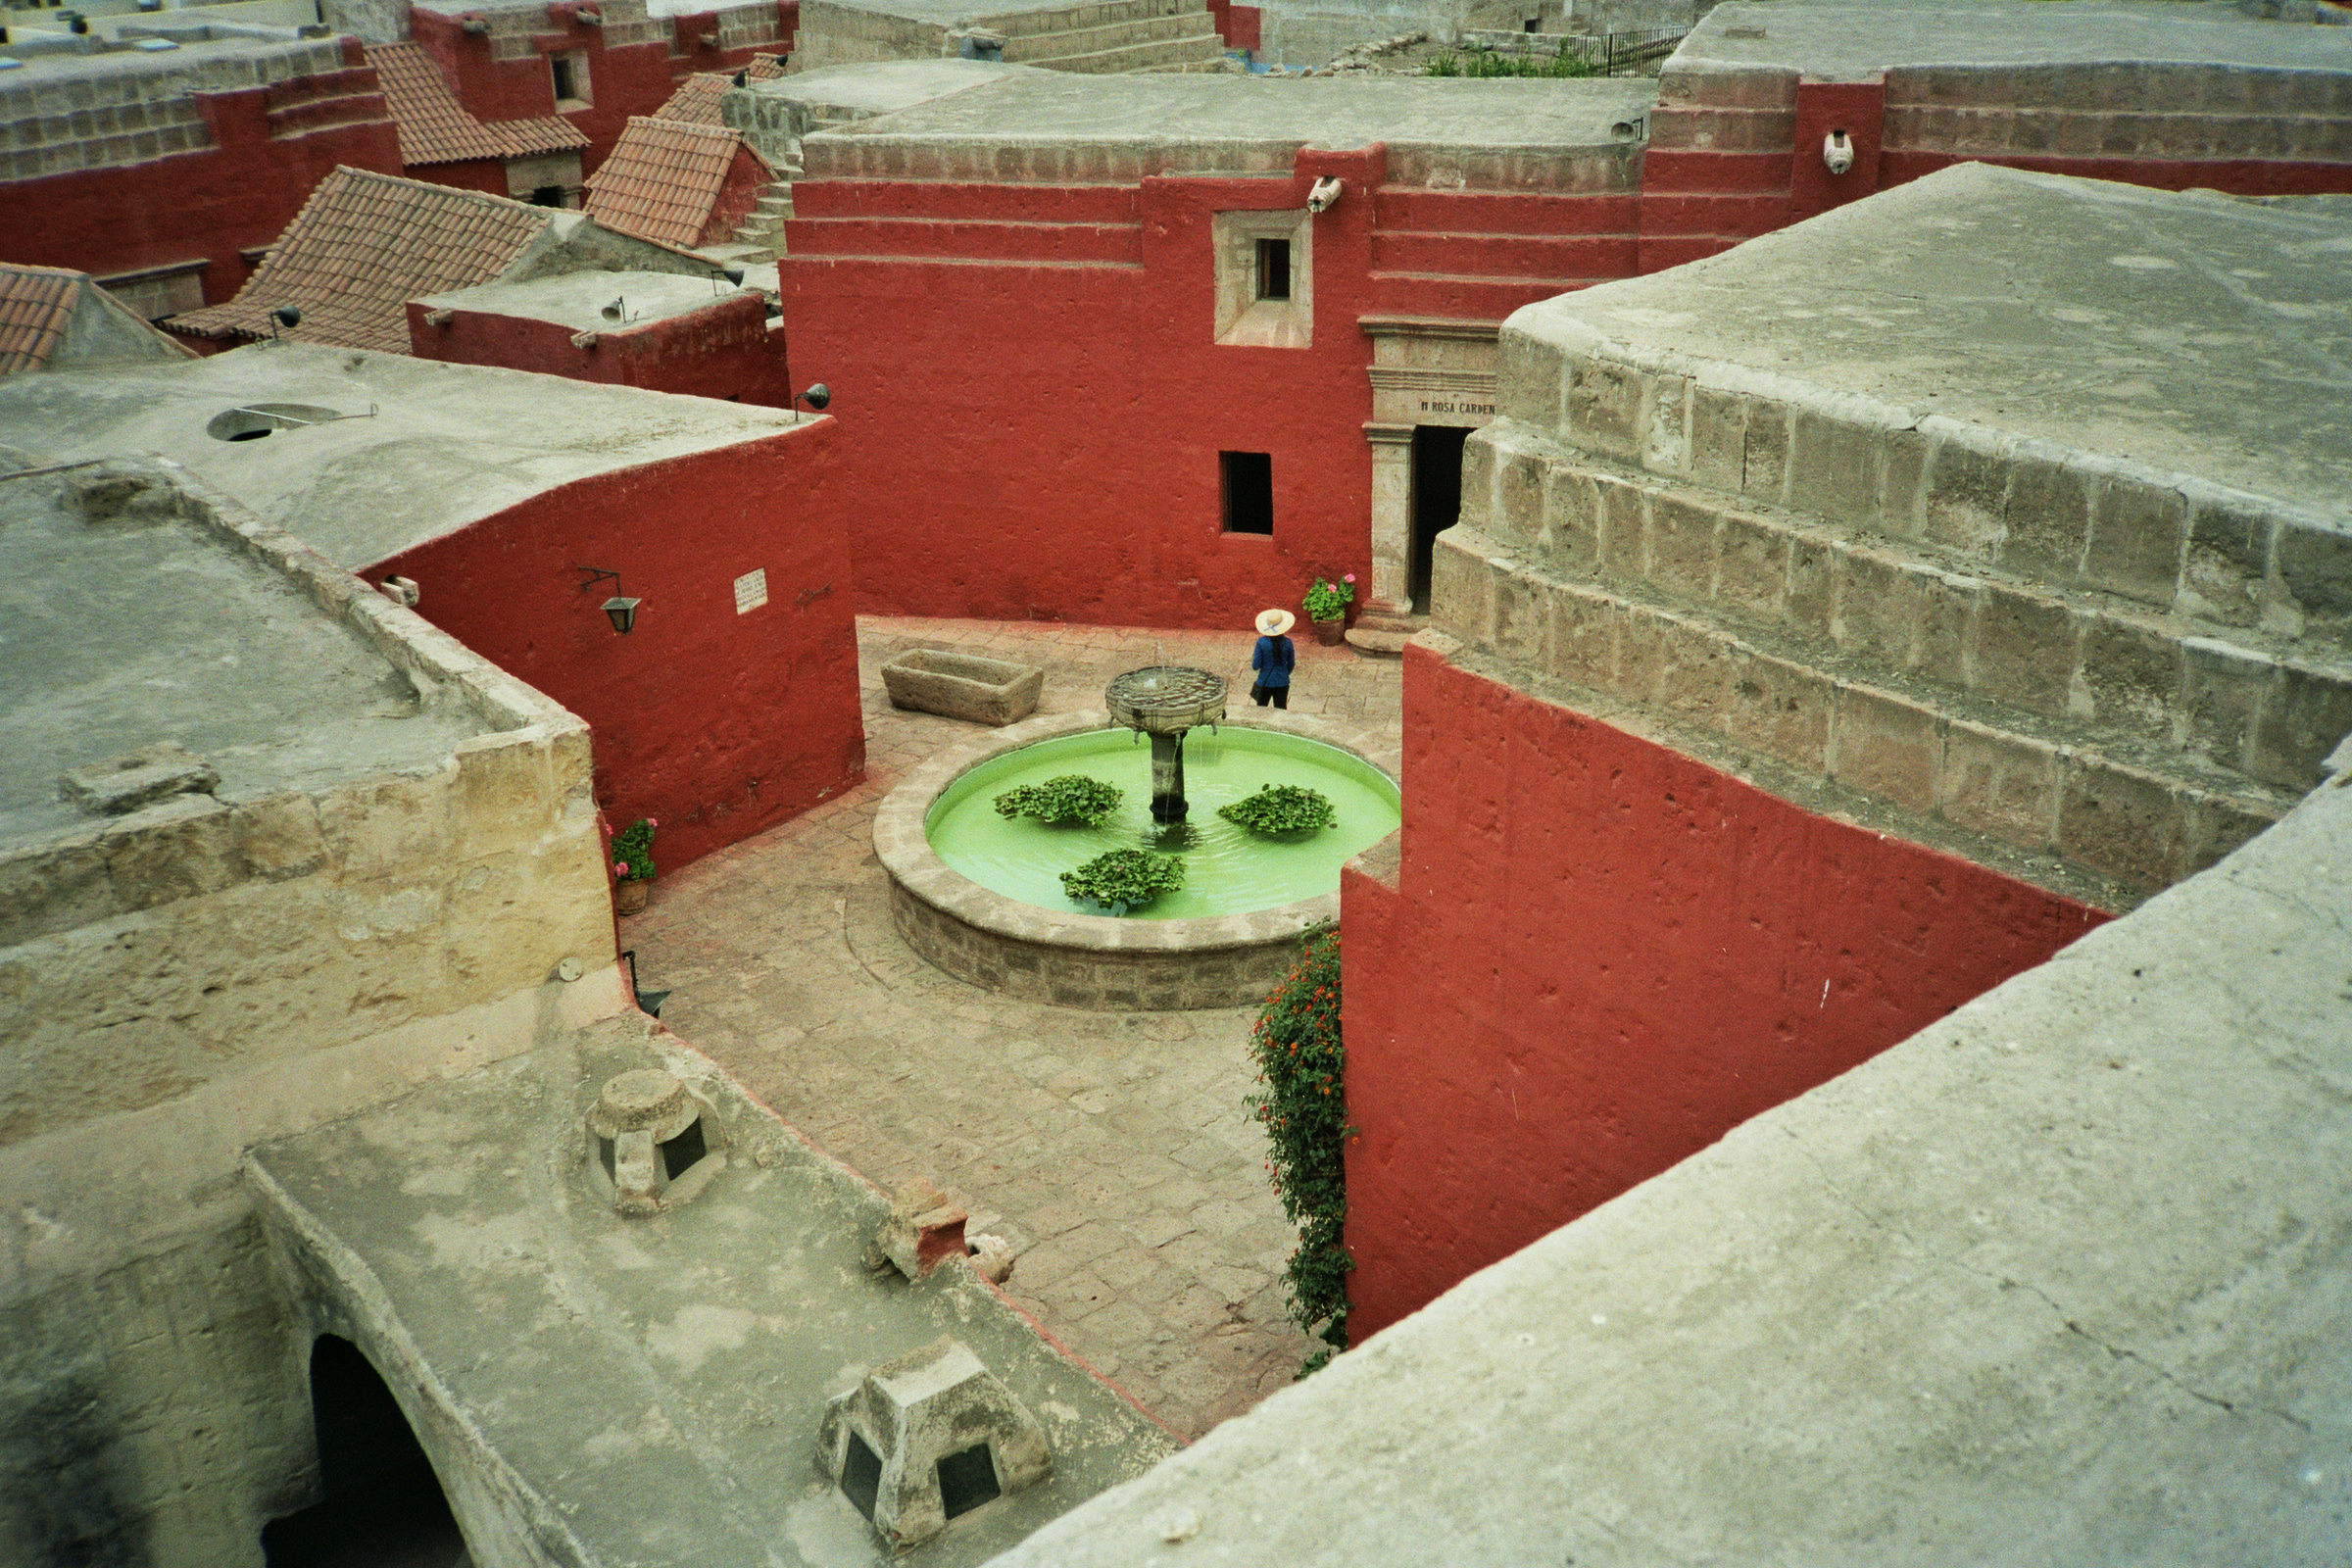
[
  {"x": 633, "y": 865},
  {"x": 1327, "y": 607}
]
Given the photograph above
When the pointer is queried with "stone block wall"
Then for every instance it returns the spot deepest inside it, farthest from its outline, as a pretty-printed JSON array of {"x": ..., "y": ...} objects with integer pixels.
[{"x": 181, "y": 981}]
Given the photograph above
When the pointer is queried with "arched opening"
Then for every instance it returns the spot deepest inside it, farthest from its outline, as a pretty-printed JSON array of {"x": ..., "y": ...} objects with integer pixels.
[{"x": 380, "y": 1504}]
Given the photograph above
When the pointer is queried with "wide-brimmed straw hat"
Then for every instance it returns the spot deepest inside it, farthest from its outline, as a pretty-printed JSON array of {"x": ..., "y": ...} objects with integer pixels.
[{"x": 1274, "y": 622}]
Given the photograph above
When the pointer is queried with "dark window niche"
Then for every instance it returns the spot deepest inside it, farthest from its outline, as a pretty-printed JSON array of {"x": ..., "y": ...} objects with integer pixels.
[
  {"x": 547, "y": 196},
  {"x": 861, "y": 1476},
  {"x": 1249, "y": 484},
  {"x": 1273, "y": 269},
  {"x": 967, "y": 1480}
]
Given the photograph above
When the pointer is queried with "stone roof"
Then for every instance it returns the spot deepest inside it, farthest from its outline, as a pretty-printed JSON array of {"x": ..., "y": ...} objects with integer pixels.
[
  {"x": 35, "y": 304},
  {"x": 436, "y": 129},
  {"x": 361, "y": 247},
  {"x": 662, "y": 178},
  {"x": 696, "y": 102}
]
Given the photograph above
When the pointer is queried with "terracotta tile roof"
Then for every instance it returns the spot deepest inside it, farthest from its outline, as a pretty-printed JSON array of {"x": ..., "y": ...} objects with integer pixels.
[
  {"x": 35, "y": 304},
  {"x": 696, "y": 102},
  {"x": 435, "y": 127},
  {"x": 662, "y": 178},
  {"x": 697, "y": 99},
  {"x": 361, "y": 247}
]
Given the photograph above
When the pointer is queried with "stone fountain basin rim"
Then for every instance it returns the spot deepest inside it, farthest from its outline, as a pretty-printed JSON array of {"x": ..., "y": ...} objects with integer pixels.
[{"x": 905, "y": 851}]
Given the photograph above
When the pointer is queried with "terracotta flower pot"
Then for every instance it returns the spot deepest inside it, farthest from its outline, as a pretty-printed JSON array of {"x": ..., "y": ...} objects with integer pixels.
[
  {"x": 1331, "y": 633},
  {"x": 629, "y": 895}
]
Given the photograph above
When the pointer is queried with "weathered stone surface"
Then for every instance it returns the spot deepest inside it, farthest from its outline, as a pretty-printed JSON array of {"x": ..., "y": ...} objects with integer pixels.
[
  {"x": 138, "y": 780},
  {"x": 985, "y": 691}
]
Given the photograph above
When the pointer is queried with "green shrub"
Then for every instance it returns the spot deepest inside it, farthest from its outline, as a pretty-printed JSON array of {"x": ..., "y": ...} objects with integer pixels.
[
  {"x": 1488, "y": 65},
  {"x": 633, "y": 851},
  {"x": 1123, "y": 879},
  {"x": 1302, "y": 1061},
  {"x": 1071, "y": 798},
  {"x": 1282, "y": 808}
]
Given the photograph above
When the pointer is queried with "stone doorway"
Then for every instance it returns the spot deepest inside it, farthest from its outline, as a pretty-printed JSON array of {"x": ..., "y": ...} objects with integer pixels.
[
  {"x": 1437, "y": 503},
  {"x": 380, "y": 1504}
]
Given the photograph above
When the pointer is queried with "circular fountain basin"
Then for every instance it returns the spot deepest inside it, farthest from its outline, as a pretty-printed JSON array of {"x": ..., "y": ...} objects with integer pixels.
[{"x": 1223, "y": 940}]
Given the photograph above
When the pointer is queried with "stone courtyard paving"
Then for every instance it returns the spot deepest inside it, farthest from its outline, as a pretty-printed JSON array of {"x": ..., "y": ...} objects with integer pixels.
[{"x": 1111, "y": 1149}]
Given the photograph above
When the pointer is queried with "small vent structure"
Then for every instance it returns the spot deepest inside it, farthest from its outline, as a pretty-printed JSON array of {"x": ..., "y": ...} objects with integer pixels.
[
  {"x": 651, "y": 1142},
  {"x": 929, "y": 1438}
]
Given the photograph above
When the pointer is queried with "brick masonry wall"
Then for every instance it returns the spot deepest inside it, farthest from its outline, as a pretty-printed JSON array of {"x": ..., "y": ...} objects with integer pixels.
[{"x": 1599, "y": 954}]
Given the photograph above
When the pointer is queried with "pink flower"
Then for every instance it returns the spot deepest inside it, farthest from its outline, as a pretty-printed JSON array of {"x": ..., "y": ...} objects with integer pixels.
[
  {"x": 651, "y": 822},
  {"x": 620, "y": 867},
  {"x": 1350, "y": 577}
]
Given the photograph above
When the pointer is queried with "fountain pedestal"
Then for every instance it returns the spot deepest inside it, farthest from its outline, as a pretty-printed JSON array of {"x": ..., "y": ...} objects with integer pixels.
[{"x": 1163, "y": 701}]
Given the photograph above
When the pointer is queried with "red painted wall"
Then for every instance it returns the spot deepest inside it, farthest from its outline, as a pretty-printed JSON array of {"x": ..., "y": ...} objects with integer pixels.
[
  {"x": 1600, "y": 957},
  {"x": 631, "y": 79},
  {"x": 1238, "y": 26},
  {"x": 727, "y": 350},
  {"x": 1052, "y": 431},
  {"x": 717, "y": 725},
  {"x": 271, "y": 146}
]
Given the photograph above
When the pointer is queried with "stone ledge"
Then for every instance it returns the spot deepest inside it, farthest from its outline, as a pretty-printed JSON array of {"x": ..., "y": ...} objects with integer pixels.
[
  {"x": 2042, "y": 793},
  {"x": 2256, "y": 703}
]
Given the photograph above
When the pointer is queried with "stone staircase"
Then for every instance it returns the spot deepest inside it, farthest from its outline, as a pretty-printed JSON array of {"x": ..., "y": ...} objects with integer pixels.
[
  {"x": 762, "y": 231},
  {"x": 1382, "y": 633},
  {"x": 2121, "y": 676},
  {"x": 1114, "y": 36}
]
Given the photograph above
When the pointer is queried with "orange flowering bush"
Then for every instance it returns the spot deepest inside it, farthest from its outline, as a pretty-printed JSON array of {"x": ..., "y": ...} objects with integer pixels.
[{"x": 1303, "y": 1107}]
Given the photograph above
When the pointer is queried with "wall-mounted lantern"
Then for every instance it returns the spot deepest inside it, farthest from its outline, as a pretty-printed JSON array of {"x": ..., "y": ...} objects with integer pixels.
[
  {"x": 816, "y": 397},
  {"x": 622, "y": 611}
]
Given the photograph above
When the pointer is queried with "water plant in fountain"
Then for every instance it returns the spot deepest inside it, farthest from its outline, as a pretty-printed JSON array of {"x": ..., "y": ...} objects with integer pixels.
[
  {"x": 1069, "y": 797},
  {"x": 1120, "y": 880},
  {"x": 1282, "y": 810}
]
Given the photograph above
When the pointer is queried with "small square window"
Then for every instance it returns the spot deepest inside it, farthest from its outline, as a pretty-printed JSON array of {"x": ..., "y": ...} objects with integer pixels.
[
  {"x": 1273, "y": 269},
  {"x": 570, "y": 73},
  {"x": 1248, "y": 482}
]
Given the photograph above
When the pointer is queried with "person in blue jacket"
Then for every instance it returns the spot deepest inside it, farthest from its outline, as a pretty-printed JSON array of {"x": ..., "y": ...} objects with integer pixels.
[{"x": 1273, "y": 659}]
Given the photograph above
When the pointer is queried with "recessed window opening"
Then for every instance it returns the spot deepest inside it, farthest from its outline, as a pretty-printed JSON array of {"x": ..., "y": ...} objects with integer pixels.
[
  {"x": 1273, "y": 269},
  {"x": 604, "y": 1153},
  {"x": 967, "y": 1480},
  {"x": 1535, "y": 25},
  {"x": 547, "y": 195},
  {"x": 679, "y": 1155},
  {"x": 861, "y": 1476},
  {"x": 381, "y": 1502},
  {"x": 1249, "y": 485},
  {"x": 570, "y": 73}
]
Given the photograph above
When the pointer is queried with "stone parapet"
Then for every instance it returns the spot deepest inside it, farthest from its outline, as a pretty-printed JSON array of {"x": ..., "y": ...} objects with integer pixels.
[
  {"x": 2252, "y": 702},
  {"x": 2066, "y": 517}
]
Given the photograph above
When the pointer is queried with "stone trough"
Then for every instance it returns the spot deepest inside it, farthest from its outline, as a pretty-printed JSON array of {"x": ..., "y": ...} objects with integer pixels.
[{"x": 986, "y": 691}]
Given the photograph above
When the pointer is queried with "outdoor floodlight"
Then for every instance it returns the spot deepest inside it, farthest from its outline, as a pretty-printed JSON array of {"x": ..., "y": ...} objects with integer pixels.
[
  {"x": 816, "y": 397},
  {"x": 622, "y": 611}
]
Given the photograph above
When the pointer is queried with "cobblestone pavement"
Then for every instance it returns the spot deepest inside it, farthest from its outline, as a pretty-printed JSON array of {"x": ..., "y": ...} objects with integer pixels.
[{"x": 1111, "y": 1149}]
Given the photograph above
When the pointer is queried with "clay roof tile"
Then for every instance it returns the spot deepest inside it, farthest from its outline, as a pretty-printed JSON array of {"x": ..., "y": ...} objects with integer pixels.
[
  {"x": 35, "y": 305},
  {"x": 361, "y": 247},
  {"x": 662, "y": 179},
  {"x": 436, "y": 129}
]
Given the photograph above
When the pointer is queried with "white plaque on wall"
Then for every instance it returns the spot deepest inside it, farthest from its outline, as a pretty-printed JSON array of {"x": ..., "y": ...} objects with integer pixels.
[{"x": 750, "y": 590}]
